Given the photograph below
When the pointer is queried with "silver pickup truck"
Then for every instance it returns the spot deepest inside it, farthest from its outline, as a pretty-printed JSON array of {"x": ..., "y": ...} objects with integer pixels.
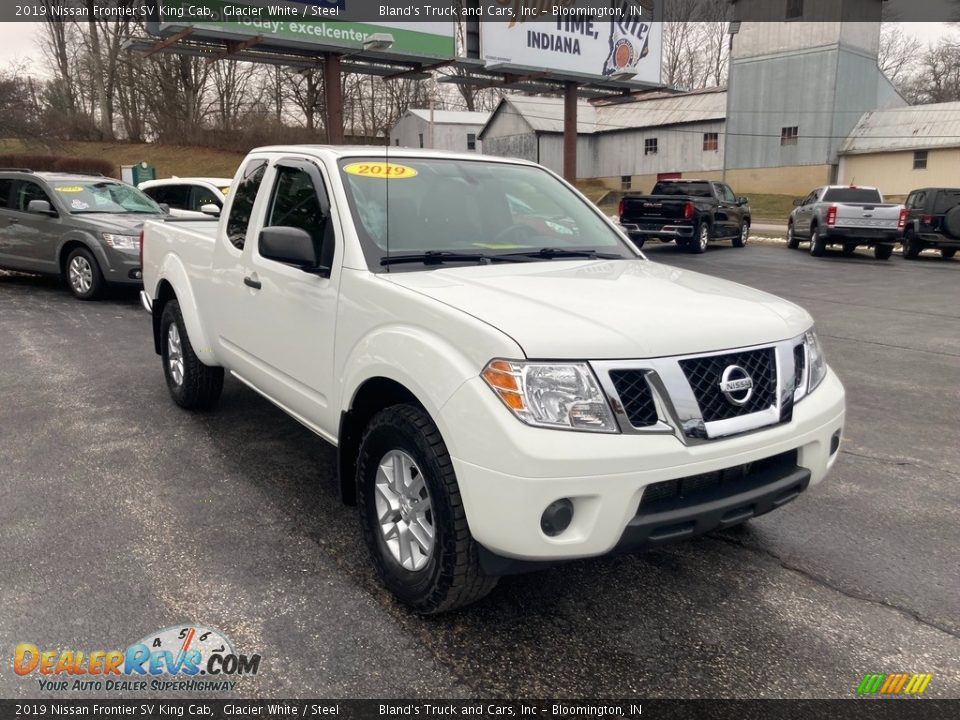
[
  {"x": 83, "y": 228},
  {"x": 849, "y": 216}
]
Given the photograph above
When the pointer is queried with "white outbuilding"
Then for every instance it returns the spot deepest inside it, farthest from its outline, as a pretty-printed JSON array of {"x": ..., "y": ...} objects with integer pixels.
[{"x": 453, "y": 130}]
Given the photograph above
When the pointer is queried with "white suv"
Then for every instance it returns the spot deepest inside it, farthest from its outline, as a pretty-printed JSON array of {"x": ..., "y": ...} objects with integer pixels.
[{"x": 189, "y": 196}]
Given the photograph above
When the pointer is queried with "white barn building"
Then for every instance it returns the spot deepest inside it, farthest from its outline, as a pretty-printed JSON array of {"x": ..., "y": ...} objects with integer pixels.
[{"x": 453, "y": 130}]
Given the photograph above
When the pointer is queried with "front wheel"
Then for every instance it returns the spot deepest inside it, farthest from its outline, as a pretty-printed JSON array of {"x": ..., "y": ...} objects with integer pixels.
[
  {"x": 83, "y": 275},
  {"x": 412, "y": 516},
  {"x": 192, "y": 385},
  {"x": 883, "y": 252},
  {"x": 741, "y": 239},
  {"x": 947, "y": 253}
]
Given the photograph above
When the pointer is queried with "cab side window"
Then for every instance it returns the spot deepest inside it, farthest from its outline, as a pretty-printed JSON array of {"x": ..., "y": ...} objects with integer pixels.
[
  {"x": 27, "y": 191},
  {"x": 200, "y": 196},
  {"x": 296, "y": 202},
  {"x": 174, "y": 196},
  {"x": 6, "y": 187},
  {"x": 728, "y": 194},
  {"x": 242, "y": 206}
]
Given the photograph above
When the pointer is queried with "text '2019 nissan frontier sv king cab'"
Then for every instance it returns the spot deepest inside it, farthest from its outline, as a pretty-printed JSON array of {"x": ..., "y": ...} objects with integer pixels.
[{"x": 475, "y": 338}]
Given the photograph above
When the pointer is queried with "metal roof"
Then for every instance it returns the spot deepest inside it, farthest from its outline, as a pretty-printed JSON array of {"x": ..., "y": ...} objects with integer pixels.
[
  {"x": 451, "y": 117},
  {"x": 545, "y": 114},
  {"x": 916, "y": 127}
]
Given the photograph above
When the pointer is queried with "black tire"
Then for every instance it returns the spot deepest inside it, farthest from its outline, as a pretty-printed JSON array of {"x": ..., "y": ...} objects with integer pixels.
[
  {"x": 83, "y": 276},
  {"x": 849, "y": 249},
  {"x": 793, "y": 242},
  {"x": 638, "y": 241},
  {"x": 744, "y": 234},
  {"x": 882, "y": 252},
  {"x": 451, "y": 576},
  {"x": 199, "y": 385},
  {"x": 947, "y": 253},
  {"x": 701, "y": 238},
  {"x": 912, "y": 247},
  {"x": 818, "y": 245}
]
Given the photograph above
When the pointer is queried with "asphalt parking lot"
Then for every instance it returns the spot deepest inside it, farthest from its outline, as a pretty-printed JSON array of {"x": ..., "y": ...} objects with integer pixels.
[{"x": 120, "y": 514}]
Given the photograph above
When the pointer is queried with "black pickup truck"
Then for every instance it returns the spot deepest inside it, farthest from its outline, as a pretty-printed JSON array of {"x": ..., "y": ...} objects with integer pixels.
[
  {"x": 691, "y": 212},
  {"x": 933, "y": 221}
]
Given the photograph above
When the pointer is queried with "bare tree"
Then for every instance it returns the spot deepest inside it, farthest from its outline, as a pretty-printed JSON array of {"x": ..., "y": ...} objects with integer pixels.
[{"x": 898, "y": 52}]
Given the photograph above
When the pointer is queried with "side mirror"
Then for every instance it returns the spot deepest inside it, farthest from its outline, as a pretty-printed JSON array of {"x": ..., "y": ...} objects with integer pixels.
[
  {"x": 210, "y": 209},
  {"x": 164, "y": 207},
  {"x": 293, "y": 246},
  {"x": 743, "y": 201},
  {"x": 40, "y": 207},
  {"x": 798, "y": 202}
]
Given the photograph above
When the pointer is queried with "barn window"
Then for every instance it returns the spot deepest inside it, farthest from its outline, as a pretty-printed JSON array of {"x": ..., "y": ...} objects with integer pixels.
[
  {"x": 471, "y": 141},
  {"x": 711, "y": 142},
  {"x": 789, "y": 135},
  {"x": 626, "y": 182},
  {"x": 650, "y": 146},
  {"x": 920, "y": 160},
  {"x": 794, "y": 9},
  {"x": 421, "y": 139}
]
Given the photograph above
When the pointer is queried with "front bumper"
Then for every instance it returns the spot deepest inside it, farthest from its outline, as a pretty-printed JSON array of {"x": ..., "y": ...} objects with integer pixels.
[{"x": 509, "y": 473}]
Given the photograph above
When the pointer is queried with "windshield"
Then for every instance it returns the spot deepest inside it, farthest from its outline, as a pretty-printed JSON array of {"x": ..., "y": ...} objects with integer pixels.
[
  {"x": 482, "y": 209},
  {"x": 103, "y": 196},
  {"x": 853, "y": 195}
]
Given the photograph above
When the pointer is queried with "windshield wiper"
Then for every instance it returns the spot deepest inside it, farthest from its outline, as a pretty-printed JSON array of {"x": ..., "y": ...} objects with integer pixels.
[
  {"x": 549, "y": 253},
  {"x": 436, "y": 257}
]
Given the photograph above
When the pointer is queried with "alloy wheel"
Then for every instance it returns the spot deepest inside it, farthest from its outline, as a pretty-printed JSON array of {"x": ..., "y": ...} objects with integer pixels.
[{"x": 404, "y": 510}]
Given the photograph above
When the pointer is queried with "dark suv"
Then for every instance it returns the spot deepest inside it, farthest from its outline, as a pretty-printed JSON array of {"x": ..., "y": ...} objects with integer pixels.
[
  {"x": 933, "y": 221},
  {"x": 83, "y": 228}
]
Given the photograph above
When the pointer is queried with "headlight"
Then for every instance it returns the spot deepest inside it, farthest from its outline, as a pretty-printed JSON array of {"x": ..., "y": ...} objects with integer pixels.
[
  {"x": 122, "y": 242},
  {"x": 816, "y": 363},
  {"x": 551, "y": 395}
]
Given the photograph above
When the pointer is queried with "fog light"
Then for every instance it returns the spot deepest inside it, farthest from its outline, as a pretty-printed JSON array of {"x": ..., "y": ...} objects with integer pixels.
[
  {"x": 135, "y": 275},
  {"x": 556, "y": 518},
  {"x": 835, "y": 442}
]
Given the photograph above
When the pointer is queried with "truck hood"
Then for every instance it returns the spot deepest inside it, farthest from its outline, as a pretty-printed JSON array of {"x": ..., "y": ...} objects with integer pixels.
[{"x": 600, "y": 310}]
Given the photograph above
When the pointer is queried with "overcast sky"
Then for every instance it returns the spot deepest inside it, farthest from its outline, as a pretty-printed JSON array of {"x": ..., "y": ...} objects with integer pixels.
[{"x": 18, "y": 41}]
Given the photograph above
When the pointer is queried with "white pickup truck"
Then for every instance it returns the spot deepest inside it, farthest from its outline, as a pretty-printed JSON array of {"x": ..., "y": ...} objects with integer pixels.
[{"x": 478, "y": 342}]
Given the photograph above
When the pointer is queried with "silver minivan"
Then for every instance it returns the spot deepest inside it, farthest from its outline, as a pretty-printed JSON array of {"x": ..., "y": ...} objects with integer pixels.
[{"x": 82, "y": 228}]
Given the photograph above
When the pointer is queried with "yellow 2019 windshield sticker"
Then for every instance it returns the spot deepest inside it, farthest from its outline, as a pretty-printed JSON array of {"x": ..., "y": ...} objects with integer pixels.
[
  {"x": 387, "y": 171},
  {"x": 69, "y": 188}
]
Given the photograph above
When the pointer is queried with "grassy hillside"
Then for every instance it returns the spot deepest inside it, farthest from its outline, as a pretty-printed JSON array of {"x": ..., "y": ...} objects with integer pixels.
[{"x": 168, "y": 159}]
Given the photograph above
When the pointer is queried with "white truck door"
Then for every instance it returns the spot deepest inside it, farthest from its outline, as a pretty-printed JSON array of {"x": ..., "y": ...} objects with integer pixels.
[{"x": 287, "y": 316}]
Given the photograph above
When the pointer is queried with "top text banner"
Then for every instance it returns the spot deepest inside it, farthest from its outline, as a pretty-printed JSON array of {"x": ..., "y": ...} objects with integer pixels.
[{"x": 447, "y": 11}]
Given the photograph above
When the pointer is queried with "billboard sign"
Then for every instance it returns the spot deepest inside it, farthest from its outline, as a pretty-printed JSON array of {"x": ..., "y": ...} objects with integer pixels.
[
  {"x": 334, "y": 25},
  {"x": 618, "y": 41}
]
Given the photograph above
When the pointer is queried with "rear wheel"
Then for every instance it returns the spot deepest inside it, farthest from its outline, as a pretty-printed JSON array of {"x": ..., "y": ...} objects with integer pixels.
[
  {"x": 793, "y": 242},
  {"x": 83, "y": 275},
  {"x": 192, "y": 385},
  {"x": 701, "y": 239},
  {"x": 818, "y": 245},
  {"x": 883, "y": 252},
  {"x": 412, "y": 515},
  {"x": 741, "y": 239},
  {"x": 947, "y": 253},
  {"x": 638, "y": 241},
  {"x": 912, "y": 247}
]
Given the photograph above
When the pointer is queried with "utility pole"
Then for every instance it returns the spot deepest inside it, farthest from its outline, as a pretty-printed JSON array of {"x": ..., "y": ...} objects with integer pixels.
[{"x": 334, "y": 98}]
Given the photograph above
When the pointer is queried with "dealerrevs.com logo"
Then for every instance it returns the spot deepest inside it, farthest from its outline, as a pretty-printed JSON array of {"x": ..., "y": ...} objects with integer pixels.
[{"x": 188, "y": 657}]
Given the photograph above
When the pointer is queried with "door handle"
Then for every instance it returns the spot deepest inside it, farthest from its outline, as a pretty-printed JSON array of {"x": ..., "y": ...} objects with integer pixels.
[{"x": 252, "y": 282}]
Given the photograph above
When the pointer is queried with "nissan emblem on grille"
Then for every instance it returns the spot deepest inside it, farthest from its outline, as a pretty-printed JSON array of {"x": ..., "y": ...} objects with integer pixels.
[{"x": 736, "y": 385}]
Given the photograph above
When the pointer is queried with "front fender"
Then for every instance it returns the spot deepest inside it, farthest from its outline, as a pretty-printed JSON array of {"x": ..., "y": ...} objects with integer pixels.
[
  {"x": 425, "y": 363},
  {"x": 173, "y": 272}
]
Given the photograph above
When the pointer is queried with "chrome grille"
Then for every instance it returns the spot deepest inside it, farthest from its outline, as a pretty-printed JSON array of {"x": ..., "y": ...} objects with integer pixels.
[
  {"x": 704, "y": 375},
  {"x": 636, "y": 397}
]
